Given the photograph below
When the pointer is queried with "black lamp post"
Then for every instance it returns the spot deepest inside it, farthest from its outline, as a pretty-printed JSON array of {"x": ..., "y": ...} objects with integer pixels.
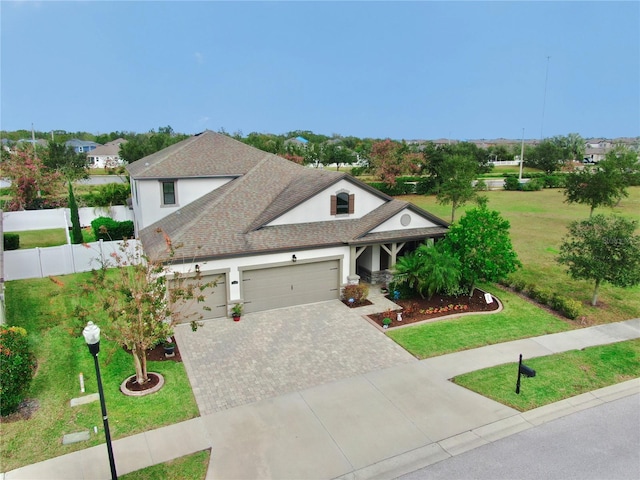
[{"x": 91, "y": 335}]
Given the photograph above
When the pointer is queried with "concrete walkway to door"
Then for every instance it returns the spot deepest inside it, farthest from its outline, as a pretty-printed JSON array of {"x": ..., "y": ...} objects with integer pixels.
[{"x": 276, "y": 352}]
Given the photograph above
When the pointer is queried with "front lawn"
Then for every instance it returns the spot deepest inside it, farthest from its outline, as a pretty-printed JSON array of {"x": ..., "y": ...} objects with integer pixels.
[
  {"x": 519, "y": 319},
  {"x": 45, "y": 309},
  {"x": 558, "y": 376}
]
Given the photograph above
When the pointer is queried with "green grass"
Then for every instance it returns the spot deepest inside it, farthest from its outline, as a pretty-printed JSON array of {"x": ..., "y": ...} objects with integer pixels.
[
  {"x": 45, "y": 309},
  {"x": 557, "y": 376},
  {"x": 50, "y": 237},
  {"x": 42, "y": 238},
  {"x": 519, "y": 319},
  {"x": 499, "y": 171},
  {"x": 189, "y": 467},
  {"x": 539, "y": 222}
]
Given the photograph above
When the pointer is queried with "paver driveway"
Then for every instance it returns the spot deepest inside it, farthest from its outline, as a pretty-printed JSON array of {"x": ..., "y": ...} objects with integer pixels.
[{"x": 271, "y": 353}]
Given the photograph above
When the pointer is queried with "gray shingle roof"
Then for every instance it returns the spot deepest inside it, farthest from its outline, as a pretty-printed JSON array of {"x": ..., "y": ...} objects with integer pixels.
[
  {"x": 205, "y": 154},
  {"x": 230, "y": 221}
]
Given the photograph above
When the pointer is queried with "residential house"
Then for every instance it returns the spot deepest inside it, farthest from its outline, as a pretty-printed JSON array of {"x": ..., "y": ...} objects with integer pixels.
[
  {"x": 107, "y": 155},
  {"x": 275, "y": 233},
  {"x": 81, "y": 146}
]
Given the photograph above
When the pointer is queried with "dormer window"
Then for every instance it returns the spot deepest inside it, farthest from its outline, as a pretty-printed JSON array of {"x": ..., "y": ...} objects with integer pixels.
[{"x": 342, "y": 204}]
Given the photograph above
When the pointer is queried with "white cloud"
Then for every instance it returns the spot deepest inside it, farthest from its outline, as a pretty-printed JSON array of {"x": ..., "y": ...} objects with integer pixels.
[{"x": 199, "y": 58}]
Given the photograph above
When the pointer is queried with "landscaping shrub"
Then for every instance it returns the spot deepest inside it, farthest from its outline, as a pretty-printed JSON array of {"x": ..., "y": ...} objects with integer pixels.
[
  {"x": 511, "y": 183},
  {"x": 108, "y": 195},
  {"x": 566, "y": 306},
  {"x": 358, "y": 171},
  {"x": 358, "y": 292},
  {"x": 393, "y": 190},
  {"x": 426, "y": 186},
  {"x": 541, "y": 294},
  {"x": 16, "y": 368},
  {"x": 11, "y": 241},
  {"x": 554, "y": 181},
  {"x": 107, "y": 229},
  {"x": 532, "y": 185},
  {"x": 481, "y": 185}
]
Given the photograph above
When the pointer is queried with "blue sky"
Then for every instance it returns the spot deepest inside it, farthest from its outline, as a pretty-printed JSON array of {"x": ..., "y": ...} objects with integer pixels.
[{"x": 402, "y": 70}]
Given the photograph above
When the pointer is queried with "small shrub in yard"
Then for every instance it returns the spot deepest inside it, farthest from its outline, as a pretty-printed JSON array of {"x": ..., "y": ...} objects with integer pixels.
[
  {"x": 16, "y": 368},
  {"x": 541, "y": 294},
  {"x": 11, "y": 241},
  {"x": 533, "y": 185},
  {"x": 511, "y": 183},
  {"x": 358, "y": 293},
  {"x": 566, "y": 306},
  {"x": 107, "y": 229}
]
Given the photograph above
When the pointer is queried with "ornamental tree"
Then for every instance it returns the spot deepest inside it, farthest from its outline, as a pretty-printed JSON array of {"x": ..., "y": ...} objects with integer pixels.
[
  {"x": 391, "y": 159},
  {"x": 604, "y": 185},
  {"x": 144, "y": 299},
  {"x": 481, "y": 243},
  {"x": 456, "y": 174},
  {"x": 602, "y": 249},
  {"x": 30, "y": 180}
]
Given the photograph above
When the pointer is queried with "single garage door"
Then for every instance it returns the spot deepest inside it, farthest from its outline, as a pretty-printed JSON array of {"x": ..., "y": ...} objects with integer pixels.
[
  {"x": 215, "y": 299},
  {"x": 295, "y": 284}
]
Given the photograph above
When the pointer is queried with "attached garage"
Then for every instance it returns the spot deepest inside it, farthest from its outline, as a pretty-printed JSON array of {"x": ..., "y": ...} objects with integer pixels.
[
  {"x": 215, "y": 299},
  {"x": 294, "y": 284}
]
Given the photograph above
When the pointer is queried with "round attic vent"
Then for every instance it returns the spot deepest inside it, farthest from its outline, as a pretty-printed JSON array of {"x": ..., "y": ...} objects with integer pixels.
[{"x": 405, "y": 220}]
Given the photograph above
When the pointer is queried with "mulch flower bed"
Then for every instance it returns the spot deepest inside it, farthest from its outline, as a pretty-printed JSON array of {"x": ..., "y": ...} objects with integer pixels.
[{"x": 418, "y": 309}]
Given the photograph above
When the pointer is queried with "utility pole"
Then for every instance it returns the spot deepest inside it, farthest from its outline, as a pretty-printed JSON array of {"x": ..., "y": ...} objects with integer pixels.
[{"x": 521, "y": 156}]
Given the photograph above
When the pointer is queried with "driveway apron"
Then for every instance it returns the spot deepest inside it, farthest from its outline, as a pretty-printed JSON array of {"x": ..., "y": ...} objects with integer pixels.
[{"x": 267, "y": 354}]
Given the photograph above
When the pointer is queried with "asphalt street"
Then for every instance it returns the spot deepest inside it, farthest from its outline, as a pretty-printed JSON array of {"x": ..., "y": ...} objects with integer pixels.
[{"x": 599, "y": 443}]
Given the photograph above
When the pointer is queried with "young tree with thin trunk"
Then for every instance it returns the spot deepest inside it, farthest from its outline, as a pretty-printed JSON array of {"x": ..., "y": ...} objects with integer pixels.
[
  {"x": 456, "y": 174},
  {"x": 603, "y": 186},
  {"x": 602, "y": 249},
  {"x": 144, "y": 299}
]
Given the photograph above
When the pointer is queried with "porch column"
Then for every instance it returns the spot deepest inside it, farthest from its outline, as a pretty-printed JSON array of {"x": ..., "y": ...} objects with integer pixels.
[{"x": 393, "y": 250}]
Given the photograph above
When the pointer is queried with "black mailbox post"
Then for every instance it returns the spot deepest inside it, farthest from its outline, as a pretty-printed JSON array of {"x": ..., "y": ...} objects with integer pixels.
[{"x": 523, "y": 370}]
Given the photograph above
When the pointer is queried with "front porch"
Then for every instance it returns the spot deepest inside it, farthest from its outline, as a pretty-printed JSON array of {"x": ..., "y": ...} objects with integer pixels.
[{"x": 374, "y": 263}]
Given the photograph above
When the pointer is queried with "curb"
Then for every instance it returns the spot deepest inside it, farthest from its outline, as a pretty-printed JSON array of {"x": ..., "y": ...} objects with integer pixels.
[{"x": 463, "y": 442}]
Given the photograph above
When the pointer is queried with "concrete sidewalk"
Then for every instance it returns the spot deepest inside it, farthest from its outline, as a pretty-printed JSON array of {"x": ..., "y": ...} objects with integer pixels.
[{"x": 380, "y": 424}]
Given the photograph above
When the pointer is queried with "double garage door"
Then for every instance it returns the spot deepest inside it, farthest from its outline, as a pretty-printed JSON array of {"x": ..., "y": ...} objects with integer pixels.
[
  {"x": 295, "y": 284},
  {"x": 215, "y": 300}
]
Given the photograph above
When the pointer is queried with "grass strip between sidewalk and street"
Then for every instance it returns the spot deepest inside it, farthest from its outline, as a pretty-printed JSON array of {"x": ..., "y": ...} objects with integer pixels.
[
  {"x": 519, "y": 319},
  {"x": 189, "y": 467},
  {"x": 558, "y": 376}
]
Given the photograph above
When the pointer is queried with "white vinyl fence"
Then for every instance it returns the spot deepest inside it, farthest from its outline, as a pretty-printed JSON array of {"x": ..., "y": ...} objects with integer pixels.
[
  {"x": 62, "y": 260},
  {"x": 60, "y": 217}
]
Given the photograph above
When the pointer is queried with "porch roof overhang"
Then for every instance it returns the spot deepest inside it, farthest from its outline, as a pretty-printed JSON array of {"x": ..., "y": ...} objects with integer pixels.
[{"x": 399, "y": 236}]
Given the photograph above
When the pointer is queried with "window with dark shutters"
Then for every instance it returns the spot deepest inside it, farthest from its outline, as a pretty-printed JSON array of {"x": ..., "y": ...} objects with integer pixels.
[{"x": 342, "y": 204}]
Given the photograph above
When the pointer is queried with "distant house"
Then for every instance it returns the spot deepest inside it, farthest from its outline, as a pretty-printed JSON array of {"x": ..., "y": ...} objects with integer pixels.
[
  {"x": 81, "y": 146},
  {"x": 300, "y": 141},
  {"x": 273, "y": 233},
  {"x": 107, "y": 155}
]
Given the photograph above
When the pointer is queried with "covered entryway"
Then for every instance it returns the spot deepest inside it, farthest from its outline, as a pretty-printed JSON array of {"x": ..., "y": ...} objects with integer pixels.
[
  {"x": 215, "y": 304},
  {"x": 294, "y": 284}
]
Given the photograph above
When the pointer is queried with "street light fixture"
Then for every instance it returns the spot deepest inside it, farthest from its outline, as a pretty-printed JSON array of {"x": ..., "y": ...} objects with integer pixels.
[{"x": 91, "y": 335}]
